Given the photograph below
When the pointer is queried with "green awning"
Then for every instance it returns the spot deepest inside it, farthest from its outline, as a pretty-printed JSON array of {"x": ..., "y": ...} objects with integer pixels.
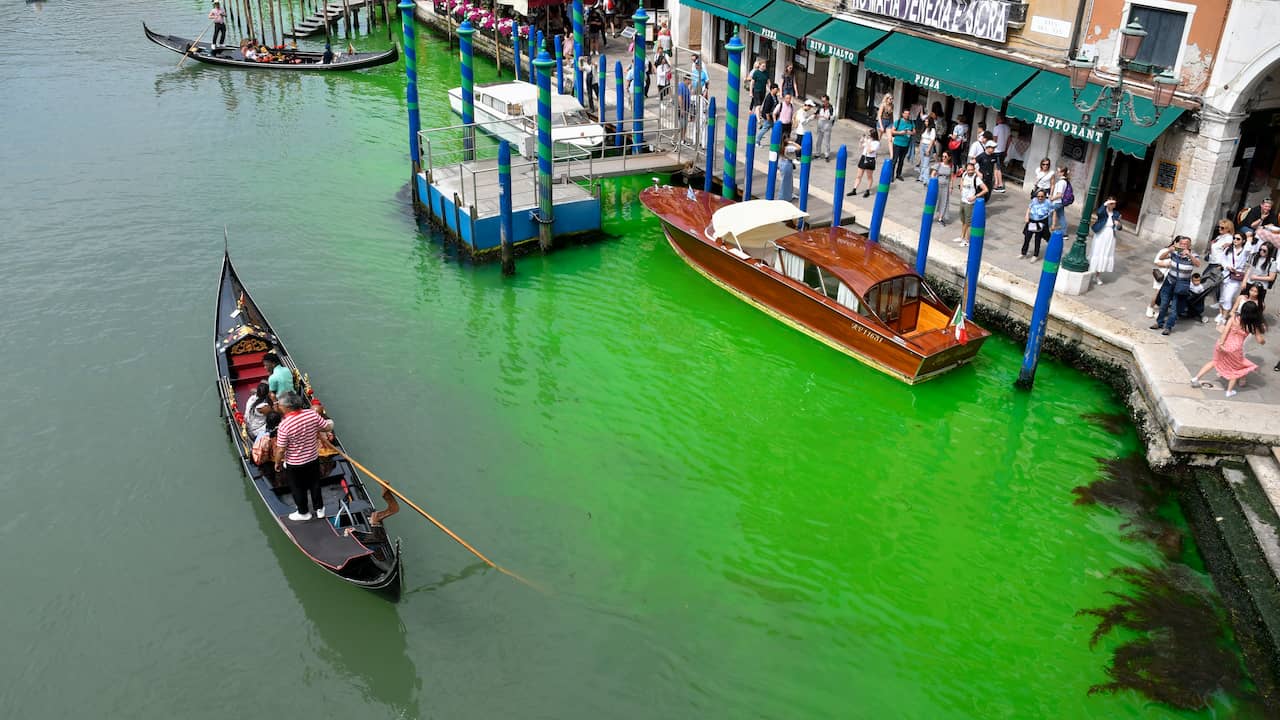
[
  {"x": 1047, "y": 101},
  {"x": 973, "y": 76},
  {"x": 843, "y": 40},
  {"x": 738, "y": 11},
  {"x": 786, "y": 22}
]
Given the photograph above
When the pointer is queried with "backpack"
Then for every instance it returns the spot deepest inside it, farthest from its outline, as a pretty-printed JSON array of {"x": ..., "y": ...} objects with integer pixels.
[{"x": 1068, "y": 195}]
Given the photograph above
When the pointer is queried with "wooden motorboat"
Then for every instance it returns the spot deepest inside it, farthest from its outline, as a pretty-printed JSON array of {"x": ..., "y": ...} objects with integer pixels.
[
  {"x": 229, "y": 56},
  {"x": 509, "y": 110},
  {"x": 351, "y": 542},
  {"x": 830, "y": 283}
]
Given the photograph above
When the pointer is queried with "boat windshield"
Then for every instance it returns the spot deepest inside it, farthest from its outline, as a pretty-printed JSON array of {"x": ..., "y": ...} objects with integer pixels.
[
  {"x": 574, "y": 117},
  {"x": 907, "y": 305}
]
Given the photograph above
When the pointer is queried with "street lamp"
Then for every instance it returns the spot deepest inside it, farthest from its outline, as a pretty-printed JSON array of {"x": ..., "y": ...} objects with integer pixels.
[{"x": 1113, "y": 99}]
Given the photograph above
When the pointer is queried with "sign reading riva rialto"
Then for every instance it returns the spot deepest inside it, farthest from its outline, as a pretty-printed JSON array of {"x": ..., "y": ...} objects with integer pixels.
[
  {"x": 987, "y": 19},
  {"x": 834, "y": 51}
]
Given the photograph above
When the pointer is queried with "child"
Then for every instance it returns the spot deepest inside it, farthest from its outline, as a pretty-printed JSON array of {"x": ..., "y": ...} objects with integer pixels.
[{"x": 264, "y": 449}]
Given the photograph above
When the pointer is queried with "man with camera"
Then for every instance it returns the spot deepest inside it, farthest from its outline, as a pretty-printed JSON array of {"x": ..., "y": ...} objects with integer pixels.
[{"x": 1176, "y": 288}]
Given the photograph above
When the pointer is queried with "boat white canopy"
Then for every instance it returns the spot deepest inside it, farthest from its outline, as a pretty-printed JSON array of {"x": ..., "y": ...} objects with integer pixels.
[{"x": 754, "y": 223}]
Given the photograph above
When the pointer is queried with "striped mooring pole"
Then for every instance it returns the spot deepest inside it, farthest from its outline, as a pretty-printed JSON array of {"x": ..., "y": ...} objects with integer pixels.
[
  {"x": 771, "y": 176},
  {"x": 411, "y": 90},
  {"x": 837, "y": 202},
  {"x": 546, "y": 214},
  {"x": 977, "y": 232},
  {"x": 749, "y": 173},
  {"x": 1040, "y": 313},
  {"x": 578, "y": 89},
  {"x": 882, "y": 199},
  {"x": 559, "y": 43},
  {"x": 466, "y": 52},
  {"x": 515, "y": 49},
  {"x": 806, "y": 158},
  {"x": 601, "y": 76},
  {"x": 641, "y": 19},
  {"x": 620, "y": 97},
  {"x": 729, "y": 183},
  {"x": 709, "y": 171},
  {"x": 504, "y": 208},
  {"x": 926, "y": 225}
]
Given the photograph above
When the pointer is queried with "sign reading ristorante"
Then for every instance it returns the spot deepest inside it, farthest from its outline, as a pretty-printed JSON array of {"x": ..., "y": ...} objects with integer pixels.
[
  {"x": 1067, "y": 127},
  {"x": 986, "y": 19}
]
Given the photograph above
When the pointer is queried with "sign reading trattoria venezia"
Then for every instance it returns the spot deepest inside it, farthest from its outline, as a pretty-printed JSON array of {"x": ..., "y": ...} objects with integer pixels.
[
  {"x": 1066, "y": 127},
  {"x": 987, "y": 19}
]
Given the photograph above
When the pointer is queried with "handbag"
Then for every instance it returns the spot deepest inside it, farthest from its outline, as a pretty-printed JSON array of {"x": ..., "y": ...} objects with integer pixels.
[
  {"x": 1034, "y": 226},
  {"x": 954, "y": 143}
]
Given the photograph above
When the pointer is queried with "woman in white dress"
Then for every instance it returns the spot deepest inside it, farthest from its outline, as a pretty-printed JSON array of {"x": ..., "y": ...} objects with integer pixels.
[
  {"x": 1102, "y": 248},
  {"x": 1235, "y": 262}
]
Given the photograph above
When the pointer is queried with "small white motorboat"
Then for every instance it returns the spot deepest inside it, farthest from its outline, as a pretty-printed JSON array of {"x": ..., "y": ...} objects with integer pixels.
[{"x": 509, "y": 110}]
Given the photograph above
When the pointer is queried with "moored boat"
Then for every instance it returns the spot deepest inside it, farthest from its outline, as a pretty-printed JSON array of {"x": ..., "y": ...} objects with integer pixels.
[
  {"x": 229, "y": 56},
  {"x": 830, "y": 283},
  {"x": 351, "y": 542},
  {"x": 509, "y": 110}
]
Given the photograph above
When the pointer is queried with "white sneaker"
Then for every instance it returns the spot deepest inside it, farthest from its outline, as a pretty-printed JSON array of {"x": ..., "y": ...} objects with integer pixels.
[
  {"x": 319, "y": 512},
  {"x": 1230, "y": 393},
  {"x": 1151, "y": 312},
  {"x": 299, "y": 517},
  {"x": 1220, "y": 319}
]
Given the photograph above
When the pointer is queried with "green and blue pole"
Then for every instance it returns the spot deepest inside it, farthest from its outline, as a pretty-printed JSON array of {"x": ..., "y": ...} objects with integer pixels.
[
  {"x": 1040, "y": 312},
  {"x": 542, "y": 66},
  {"x": 578, "y": 89},
  {"x": 466, "y": 53},
  {"x": 926, "y": 225},
  {"x": 709, "y": 170},
  {"x": 977, "y": 233},
  {"x": 411, "y": 88},
  {"x": 771, "y": 176},
  {"x": 559, "y": 42},
  {"x": 806, "y": 157},
  {"x": 515, "y": 49},
  {"x": 534, "y": 49},
  {"x": 837, "y": 204},
  {"x": 504, "y": 207},
  {"x": 1077, "y": 259},
  {"x": 729, "y": 181},
  {"x": 620, "y": 98},
  {"x": 882, "y": 199},
  {"x": 601, "y": 76},
  {"x": 641, "y": 18},
  {"x": 749, "y": 173}
]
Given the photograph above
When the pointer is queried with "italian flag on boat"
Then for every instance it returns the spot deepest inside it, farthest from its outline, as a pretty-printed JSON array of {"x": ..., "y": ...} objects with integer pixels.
[{"x": 957, "y": 321}]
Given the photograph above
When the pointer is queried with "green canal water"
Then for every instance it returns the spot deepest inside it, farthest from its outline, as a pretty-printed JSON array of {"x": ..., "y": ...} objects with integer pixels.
[{"x": 731, "y": 520}]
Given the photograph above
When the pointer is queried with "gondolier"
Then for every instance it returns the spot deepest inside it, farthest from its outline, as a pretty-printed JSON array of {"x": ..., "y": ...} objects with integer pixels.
[
  {"x": 298, "y": 441},
  {"x": 219, "y": 18}
]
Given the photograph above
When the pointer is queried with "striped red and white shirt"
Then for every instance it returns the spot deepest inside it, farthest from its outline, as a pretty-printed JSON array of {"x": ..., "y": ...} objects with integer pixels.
[{"x": 296, "y": 436}]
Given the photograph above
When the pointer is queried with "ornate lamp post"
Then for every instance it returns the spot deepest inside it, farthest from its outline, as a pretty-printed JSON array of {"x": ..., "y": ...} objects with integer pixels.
[{"x": 1113, "y": 101}]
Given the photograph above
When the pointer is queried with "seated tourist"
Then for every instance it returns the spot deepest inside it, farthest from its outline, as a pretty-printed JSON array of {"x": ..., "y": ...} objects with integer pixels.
[
  {"x": 256, "y": 409},
  {"x": 279, "y": 378},
  {"x": 264, "y": 449},
  {"x": 328, "y": 55}
]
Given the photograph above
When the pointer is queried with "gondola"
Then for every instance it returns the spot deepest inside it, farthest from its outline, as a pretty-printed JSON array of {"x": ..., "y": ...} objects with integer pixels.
[
  {"x": 229, "y": 56},
  {"x": 351, "y": 541}
]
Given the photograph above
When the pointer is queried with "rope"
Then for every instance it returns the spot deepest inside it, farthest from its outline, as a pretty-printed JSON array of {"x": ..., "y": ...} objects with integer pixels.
[{"x": 438, "y": 524}]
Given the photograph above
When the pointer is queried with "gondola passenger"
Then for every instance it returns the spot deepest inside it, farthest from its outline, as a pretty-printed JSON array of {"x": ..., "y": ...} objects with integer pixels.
[
  {"x": 256, "y": 409},
  {"x": 264, "y": 449},
  {"x": 328, "y": 55},
  {"x": 279, "y": 378}
]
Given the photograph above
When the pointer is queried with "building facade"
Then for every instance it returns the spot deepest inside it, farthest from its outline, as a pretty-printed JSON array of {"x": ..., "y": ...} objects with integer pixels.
[{"x": 979, "y": 59}]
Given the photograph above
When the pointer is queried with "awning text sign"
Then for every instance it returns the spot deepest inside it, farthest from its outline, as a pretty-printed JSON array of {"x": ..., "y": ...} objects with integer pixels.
[
  {"x": 1066, "y": 127},
  {"x": 986, "y": 19},
  {"x": 834, "y": 51}
]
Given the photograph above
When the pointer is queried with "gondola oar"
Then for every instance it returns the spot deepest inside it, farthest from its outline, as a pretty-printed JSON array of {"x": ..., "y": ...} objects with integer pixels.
[
  {"x": 193, "y": 44},
  {"x": 437, "y": 523}
]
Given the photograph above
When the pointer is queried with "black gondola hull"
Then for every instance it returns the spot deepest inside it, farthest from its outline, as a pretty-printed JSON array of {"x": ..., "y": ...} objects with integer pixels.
[{"x": 231, "y": 57}]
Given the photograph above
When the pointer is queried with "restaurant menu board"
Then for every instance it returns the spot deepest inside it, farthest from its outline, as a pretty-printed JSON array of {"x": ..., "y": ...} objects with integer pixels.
[{"x": 1166, "y": 175}]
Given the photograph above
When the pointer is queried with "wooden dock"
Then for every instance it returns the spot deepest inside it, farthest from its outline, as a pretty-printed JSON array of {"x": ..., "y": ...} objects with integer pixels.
[{"x": 314, "y": 23}]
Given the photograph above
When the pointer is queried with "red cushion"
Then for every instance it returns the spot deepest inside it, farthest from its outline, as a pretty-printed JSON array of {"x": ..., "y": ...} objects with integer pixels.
[
  {"x": 251, "y": 373},
  {"x": 241, "y": 361}
]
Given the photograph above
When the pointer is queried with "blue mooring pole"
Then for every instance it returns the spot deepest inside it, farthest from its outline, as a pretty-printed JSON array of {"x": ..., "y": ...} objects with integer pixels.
[
  {"x": 559, "y": 43},
  {"x": 729, "y": 182},
  {"x": 749, "y": 173},
  {"x": 504, "y": 207},
  {"x": 516, "y": 52},
  {"x": 641, "y": 18},
  {"x": 771, "y": 176},
  {"x": 882, "y": 199},
  {"x": 977, "y": 232},
  {"x": 1040, "y": 313},
  {"x": 546, "y": 212},
  {"x": 600, "y": 80},
  {"x": 620, "y": 97},
  {"x": 710, "y": 170},
  {"x": 926, "y": 225},
  {"x": 837, "y": 202},
  {"x": 578, "y": 89},
  {"x": 466, "y": 55},
  {"x": 806, "y": 157},
  {"x": 535, "y": 49},
  {"x": 411, "y": 89}
]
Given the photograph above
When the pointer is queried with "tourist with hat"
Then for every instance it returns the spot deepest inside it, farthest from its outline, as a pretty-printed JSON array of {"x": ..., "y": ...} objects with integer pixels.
[{"x": 219, "y": 18}]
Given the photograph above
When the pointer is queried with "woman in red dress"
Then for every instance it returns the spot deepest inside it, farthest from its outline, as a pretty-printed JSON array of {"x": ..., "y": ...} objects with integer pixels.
[{"x": 1228, "y": 353}]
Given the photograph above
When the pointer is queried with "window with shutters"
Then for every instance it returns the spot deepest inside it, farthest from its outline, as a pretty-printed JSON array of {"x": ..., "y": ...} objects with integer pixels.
[{"x": 1166, "y": 32}]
